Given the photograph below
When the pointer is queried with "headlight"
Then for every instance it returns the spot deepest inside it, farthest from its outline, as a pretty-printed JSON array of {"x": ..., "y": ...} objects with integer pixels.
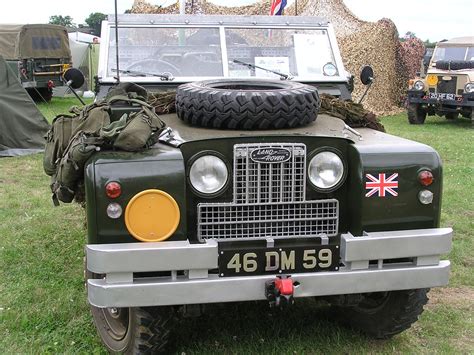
[
  {"x": 208, "y": 174},
  {"x": 469, "y": 87},
  {"x": 419, "y": 85},
  {"x": 326, "y": 170},
  {"x": 330, "y": 69}
]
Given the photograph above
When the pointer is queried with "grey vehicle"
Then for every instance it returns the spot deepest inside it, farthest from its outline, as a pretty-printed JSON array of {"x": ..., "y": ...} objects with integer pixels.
[
  {"x": 250, "y": 194},
  {"x": 39, "y": 54}
]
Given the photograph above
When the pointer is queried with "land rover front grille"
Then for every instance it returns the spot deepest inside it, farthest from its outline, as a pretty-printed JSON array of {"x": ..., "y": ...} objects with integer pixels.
[
  {"x": 269, "y": 182},
  {"x": 446, "y": 86},
  {"x": 269, "y": 200},
  {"x": 226, "y": 221}
]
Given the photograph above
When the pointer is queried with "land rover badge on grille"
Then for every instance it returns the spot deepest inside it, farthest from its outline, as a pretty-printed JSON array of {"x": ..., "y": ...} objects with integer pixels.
[{"x": 270, "y": 155}]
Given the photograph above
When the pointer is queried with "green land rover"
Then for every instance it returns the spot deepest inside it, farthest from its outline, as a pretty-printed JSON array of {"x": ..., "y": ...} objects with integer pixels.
[
  {"x": 40, "y": 55},
  {"x": 251, "y": 194}
]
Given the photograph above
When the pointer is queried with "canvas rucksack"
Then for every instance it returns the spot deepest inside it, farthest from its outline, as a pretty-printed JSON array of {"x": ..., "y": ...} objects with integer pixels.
[{"x": 72, "y": 140}]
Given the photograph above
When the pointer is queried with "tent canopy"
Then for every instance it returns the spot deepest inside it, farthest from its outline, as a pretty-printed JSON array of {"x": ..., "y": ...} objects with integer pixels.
[
  {"x": 22, "y": 126},
  {"x": 34, "y": 41}
]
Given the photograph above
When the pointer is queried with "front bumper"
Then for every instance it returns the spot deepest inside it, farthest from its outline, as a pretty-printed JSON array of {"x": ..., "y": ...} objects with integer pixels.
[
  {"x": 367, "y": 265},
  {"x": 447, "y": 103}
]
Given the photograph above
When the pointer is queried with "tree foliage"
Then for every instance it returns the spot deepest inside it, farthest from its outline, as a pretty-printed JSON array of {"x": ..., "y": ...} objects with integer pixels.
[
  {"x": 61, "y": 20},
  {"x": 94, "y": 21}
]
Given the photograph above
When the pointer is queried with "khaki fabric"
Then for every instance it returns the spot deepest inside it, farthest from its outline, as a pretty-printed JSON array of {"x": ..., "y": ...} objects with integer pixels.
[
  {"x": 22, "y": 126},
  {"x": 34, "y": 41}
]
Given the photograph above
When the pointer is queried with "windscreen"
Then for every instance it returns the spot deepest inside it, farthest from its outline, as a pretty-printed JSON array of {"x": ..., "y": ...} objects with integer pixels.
[
  {"x": 201, "y": 52},
  {"x": 453, "y": 53},
  {"x": 302, "y": 53},
  {"x": 177, "y": 51}
]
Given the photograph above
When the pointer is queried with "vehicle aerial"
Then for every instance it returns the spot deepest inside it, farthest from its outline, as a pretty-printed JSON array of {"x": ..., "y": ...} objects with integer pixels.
[
  {"x": 448, "y": 88},
  {"x": 39, "y": 54},
  {"x": 248, "y": 196}
]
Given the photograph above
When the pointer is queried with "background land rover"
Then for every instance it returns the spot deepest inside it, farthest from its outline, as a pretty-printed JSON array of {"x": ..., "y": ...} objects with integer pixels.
[
  {"x": 38, "y": 53},
  {"x": 448, "y": 88},
  {"x": 349, "y": 216}
]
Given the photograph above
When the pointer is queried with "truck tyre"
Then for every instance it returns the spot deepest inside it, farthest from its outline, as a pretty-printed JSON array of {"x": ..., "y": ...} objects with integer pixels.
[
  {"x": 454, "y": 64},
  {"x": 134, "y": 330},
  {"x": 416, "y": 115},
  {"x": 451, "y": 116},
  {"x": 247, "y": 105},
  {"x": 383, "y": 314}
]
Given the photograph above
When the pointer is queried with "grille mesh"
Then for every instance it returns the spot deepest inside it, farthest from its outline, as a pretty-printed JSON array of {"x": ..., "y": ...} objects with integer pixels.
[
  {"x": 447, "y": 86},
  {"x": 269, "y": 182},
  {"x": 269, "y": 201},
  {"x": 227, "y": 221}
]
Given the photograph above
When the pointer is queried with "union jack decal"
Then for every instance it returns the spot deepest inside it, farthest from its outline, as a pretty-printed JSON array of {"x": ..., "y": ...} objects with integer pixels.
[{"x": 381, "y": 186}]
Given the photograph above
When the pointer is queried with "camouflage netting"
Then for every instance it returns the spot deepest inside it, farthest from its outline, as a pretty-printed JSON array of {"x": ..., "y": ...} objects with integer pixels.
[
  {"x": 361, "y": 43},
  {"x": 412, "y": 51}
]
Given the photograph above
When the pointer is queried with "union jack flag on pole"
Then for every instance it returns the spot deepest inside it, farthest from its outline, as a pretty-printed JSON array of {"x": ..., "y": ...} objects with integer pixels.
[
  {"x": 277, "y": 7},
  {"x": 381, "y": 186}
]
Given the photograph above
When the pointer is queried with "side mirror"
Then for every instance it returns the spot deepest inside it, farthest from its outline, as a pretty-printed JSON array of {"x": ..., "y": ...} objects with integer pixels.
[
  {"x": 367, "y": 75},
  {"x": 74, "y": 78}
]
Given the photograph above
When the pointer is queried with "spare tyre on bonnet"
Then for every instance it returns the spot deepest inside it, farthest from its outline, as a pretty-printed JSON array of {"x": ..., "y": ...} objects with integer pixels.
[{"x": 247, "y": 104}]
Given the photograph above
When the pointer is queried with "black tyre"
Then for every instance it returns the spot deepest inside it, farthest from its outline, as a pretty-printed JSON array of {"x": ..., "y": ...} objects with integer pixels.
[
  {"x": 416, "y": 114},
  {"x": 247, "y": 105},
  {"x": 451, "y": 116},
  {"x": 137, "y": 330},
  {"x": 384, "y": 314},
  {"x": 454, "y": 64}
]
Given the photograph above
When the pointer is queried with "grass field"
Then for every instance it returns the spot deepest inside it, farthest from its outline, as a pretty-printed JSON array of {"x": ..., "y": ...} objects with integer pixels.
[{"x": 43, "y": 306}]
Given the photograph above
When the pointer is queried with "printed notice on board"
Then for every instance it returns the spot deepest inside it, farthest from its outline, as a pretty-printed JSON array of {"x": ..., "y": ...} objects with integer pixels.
[
  {"x": 312, "y": 51},
  {"x": 279, "y": 64}
]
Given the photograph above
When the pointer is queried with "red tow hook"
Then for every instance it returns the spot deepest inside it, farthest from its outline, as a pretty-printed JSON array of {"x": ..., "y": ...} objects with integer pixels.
[{"x": 279, "y": 292}]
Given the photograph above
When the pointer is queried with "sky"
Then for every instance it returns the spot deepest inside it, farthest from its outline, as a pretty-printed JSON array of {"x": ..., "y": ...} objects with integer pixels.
[{"x": 428, "y": 19}]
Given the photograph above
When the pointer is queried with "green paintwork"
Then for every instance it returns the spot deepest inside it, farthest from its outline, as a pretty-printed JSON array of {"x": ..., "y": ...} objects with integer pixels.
[
  {"x": 160, "y": 168},
  {"x": 164, "y": 168}
]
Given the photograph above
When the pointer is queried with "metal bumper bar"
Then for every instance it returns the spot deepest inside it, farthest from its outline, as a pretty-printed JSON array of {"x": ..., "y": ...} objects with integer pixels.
[{"x": 187, "y": 279}]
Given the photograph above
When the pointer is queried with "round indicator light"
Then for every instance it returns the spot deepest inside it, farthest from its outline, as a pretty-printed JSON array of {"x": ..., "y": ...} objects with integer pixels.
[
  {"x": 113, "y": 189},
  {"x": 425, "y": 177}
]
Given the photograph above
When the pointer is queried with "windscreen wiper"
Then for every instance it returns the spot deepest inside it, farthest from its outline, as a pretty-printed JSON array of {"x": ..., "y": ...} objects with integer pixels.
[
  {"x": 163, "y": 76},
  {"x": 253, "y": 66}
]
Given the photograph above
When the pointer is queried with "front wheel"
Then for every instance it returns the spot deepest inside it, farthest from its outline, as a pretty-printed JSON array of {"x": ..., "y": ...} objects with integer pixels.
[
  {"x": 384, "y": 314},
  {"x": 133, "y": 330},
  {"x": 416, "y": 114},
  {"x": 451, "y": 115}
]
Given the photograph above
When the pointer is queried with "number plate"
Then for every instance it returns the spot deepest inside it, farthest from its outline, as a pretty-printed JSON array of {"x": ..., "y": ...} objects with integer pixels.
[
  {"x": 443, "y": 96},
  {"x": 287, "y": 260}
]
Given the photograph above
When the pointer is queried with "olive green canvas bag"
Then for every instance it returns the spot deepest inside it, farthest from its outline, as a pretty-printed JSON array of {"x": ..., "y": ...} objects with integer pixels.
[{"x": 141, "y": 131}]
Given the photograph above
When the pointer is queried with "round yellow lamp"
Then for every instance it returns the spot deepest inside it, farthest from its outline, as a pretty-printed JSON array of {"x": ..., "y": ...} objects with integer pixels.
[
  {"x": 432, "y": 80},
  {"x": 152, "y": 216}
]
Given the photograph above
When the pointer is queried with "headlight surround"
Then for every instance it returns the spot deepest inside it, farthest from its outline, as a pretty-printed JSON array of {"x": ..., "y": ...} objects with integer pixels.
[
  {"x": 469, "y": 88},
  {"x": 208, "y": 174},
  {"x": 329, "y": 69},
  {"x": 419, "y": 85},
  {"x": 326, "y": 170}
]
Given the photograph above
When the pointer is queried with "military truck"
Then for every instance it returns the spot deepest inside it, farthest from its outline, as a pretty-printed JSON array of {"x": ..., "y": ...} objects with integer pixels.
[
  {"x": 250, "y": 194},
  {"x": 39, "y": 54},
  {"x": 448, "y": 88}
]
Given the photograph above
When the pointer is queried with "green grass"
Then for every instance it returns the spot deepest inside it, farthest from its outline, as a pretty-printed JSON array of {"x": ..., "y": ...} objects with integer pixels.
[{"x": 43, "y": 306}]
